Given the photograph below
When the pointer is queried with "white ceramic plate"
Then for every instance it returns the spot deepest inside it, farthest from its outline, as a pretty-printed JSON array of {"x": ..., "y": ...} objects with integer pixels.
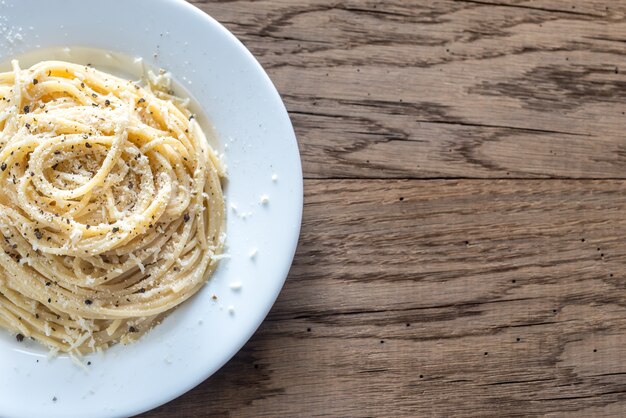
[{"x": 257, "y": 139}]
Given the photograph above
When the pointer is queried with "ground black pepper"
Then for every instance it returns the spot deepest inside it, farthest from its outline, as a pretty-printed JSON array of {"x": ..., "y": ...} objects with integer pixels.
[
  {"x": 19, "y": 338},
  {"x": 88, "y": 301}
]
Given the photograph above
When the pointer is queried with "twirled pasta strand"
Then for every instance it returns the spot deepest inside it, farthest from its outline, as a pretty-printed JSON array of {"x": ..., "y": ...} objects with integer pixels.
[{"x": 111, "y": 206}]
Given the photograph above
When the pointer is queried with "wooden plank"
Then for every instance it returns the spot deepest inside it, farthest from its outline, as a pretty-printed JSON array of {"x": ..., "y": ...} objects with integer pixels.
[
  {"x": 441, "y": 298},
  {"x": 455, "y": 89}
]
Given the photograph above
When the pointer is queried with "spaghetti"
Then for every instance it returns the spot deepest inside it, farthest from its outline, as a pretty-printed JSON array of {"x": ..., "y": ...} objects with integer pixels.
[{"x": 111, "y": 206}]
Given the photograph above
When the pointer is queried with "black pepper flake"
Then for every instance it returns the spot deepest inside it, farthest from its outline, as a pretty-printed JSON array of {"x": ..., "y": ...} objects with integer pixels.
[
  {"x": 27, "y": 125},
  {"x": 26, "y": 109},
  {"x": 57, "y": 152},
  {"x": 49, "y": 300},
  {"x": 88, "y": 145},
  {"x": 142, "y": 290},
  {"x": 35, "y": 81},
  {"x": 186, "y": 217},
  {"x": 54, "y": 399},
  {"x": 19, "y": 338},
  {"x": 142, "y": 100},
  {"x": 48, "y": 283},
  {"x": 87, "y": 226},
  {"x": 115, "y": 229},
  {"x": 3, "y": 166},
  {"x": 38, "y": 233},
  {"x": 88, "y": 301},
  {"x": 94, "y": 95},
  {"x": 88, "y": 363},
  {"x": 107, "y": 102},
  {"x": 49, "y": 73},
  {"x": 132, "y": 329}
]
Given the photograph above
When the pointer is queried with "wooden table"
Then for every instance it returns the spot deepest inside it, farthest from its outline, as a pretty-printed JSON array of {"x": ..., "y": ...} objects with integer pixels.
[{"x": 464, "y": 237}]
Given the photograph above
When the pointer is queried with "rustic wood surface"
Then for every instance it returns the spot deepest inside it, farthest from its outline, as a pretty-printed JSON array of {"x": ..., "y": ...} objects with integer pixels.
[{"x": 464, "y": 239}]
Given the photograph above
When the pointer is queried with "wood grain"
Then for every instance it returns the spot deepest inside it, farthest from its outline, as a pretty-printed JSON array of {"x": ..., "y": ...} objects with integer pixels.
[
  {"x": 462, "y": 249},
  {"x": 421, "y": 89},
  {"x": 465, "y": 298}
]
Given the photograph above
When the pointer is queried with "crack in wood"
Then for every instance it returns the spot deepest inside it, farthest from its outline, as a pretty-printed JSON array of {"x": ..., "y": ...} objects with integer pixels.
[
  {"x": 578, "y": 397},
  {"x": 514, "y": 128},
  {"x": 517, "y": 382},
  {"x": 527, "y": 7},
  {"x": 317, "y": 315}
]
